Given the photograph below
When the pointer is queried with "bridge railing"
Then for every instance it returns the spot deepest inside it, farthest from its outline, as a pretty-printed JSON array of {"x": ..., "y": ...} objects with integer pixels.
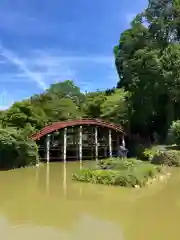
[{"x": 96, "y": 120}]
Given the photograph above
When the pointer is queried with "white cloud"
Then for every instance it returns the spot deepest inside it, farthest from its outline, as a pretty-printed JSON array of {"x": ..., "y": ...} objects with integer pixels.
[
  {"x": 57, "y": 65},
  {"x": 14, "y": 59},
  {"x": 50, "y": 66},
  {"x": 50, "y": 57}
]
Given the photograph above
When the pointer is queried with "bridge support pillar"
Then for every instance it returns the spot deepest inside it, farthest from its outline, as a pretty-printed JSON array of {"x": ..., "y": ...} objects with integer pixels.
[
  {"x": 96, "y": 143},
  {"x": 123, "y": 142},
  {"x": 110, "y": 143},
  {"x": 65, "y": 144},
  {"x": 118, "y": 144},
  {"x": 48, "y": 137},
  {"x": 77, "y": 149},
  {"x": 80, "y": 144}
]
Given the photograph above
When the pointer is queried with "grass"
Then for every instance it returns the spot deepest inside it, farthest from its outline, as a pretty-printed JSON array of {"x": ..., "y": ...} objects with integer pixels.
[{"x": 119, "y": 172}]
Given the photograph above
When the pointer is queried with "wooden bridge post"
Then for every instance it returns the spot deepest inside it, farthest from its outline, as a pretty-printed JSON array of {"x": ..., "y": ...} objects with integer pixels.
[
  {"x": 48, "y": 138},
  {"x": 118, "y": 144},
  {"x": 80, "y": 144},
  {"x": 65, "y": 144},
  {"x": 77, "y": 148},
  {"x": 123, "y": 142},
  {"x": 96, "y": 143},
  {"x": 110, "y": 143}
]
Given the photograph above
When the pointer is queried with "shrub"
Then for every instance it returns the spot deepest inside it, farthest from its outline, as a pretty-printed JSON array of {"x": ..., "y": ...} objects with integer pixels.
[
  {"x": 136, "y": 173},
  {"x": 118, "y": 163},
  {"x": 170, "y": 158},
  {"x": 84, "y": 175},
  {"x": 16, "y": 150},
  {"x": 106, "y": 177},
  {"x": 174, "y": 132},
  {"x": 144, "y": 172},
  {"x": 148, "y": 153}
]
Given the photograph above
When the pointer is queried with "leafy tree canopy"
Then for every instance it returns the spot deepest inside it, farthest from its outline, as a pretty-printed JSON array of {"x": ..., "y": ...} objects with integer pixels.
[
  {"x": 147, "y": 60},
  {"x": 16, "y": 150},
  {"x": 115, "y": 108}
]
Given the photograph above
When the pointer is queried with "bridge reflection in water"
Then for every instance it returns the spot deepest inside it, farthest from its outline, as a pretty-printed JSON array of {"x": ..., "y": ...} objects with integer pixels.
[
  {"x": 44, "y": 203},
  {"x": 64, "y": 181}
]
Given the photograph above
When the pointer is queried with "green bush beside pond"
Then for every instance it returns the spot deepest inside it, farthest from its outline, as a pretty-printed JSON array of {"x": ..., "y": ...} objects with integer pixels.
[
  {"x": 174, "y": 133},
  {"x": 148, "y": 153},
  {"x": 16, "y": 150},
  {"x": 161, "y": 155},
  {"x": 114, "y": 163},
  {"x": 119, "y": 172},
  {"x": 169, "y": 158}
]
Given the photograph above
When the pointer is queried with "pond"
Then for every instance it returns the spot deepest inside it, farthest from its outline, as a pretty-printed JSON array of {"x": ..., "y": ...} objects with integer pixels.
[{"x": 44, "y": 203}]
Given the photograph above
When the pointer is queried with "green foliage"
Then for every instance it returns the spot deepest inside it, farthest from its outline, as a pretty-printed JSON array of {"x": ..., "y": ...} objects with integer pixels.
[
  {"x": 170, "y": 158},
  {"x": 67, "y": 90},
  {"x": 84, "y": 175},
  {"x": 114, "y": 163},
  {"x": 148, "y": 63},
  {"x": 93, "y": 103},
  {"x": 144, "y": 172},
  {"x": 61, "y": 110},
  {"x": 118, "y": 172},
  {"x": 16, "y": 150},
  {"x": 163, "y": 19},
  {"x": 148, "y": 153},
  {"x": 115, "y": 107},
  {"x": 21, "y": 114},
  {"x": 62, "y": 101},
  {"x": 174, "y": 132},
  {"x": 107, "y": 177}
]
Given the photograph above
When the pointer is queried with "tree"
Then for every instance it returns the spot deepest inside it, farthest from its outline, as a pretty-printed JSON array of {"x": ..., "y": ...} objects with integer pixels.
[
  {"x": 92, "y": 105},
  {"x": 131, "y": 40},
  {"x": 163, "y": 18},
  {"x": 115, "y": 108},
  {"x": 1, "y": 116},
  {"x": 61, "y": 110},
  {"x": 147, "y": 61},
  {"x": 16, "y": 150},
  {"x": 66, "y": 90},
  {"x": 61, "y": 101},
  {"x": 174, "y": 133},
  {"x": 22, "y": 113}
]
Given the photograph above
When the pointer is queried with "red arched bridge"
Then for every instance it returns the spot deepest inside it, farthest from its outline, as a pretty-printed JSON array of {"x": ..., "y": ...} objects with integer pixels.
[{"x": 79, "y": 139}]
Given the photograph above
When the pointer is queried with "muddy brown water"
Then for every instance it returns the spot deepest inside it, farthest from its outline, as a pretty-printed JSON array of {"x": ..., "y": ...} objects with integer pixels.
[{"x": 44, "y": 203}]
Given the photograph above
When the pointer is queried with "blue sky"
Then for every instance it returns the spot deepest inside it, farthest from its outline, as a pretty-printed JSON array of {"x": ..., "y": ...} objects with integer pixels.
[{"x": 43, "y": 42}]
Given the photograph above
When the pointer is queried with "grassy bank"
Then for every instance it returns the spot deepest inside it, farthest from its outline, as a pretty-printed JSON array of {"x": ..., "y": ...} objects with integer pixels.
[{"x": 119, "y": 172}]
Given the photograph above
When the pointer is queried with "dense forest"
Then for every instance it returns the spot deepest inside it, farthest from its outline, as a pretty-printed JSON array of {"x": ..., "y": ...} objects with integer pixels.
[{"x": 146, "y": 100}]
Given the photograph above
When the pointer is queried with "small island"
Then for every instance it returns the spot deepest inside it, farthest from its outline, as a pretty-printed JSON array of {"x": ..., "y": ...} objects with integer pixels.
[
  {"x": 119, "y": 172},
  {"x": 131, "y": 172}
]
